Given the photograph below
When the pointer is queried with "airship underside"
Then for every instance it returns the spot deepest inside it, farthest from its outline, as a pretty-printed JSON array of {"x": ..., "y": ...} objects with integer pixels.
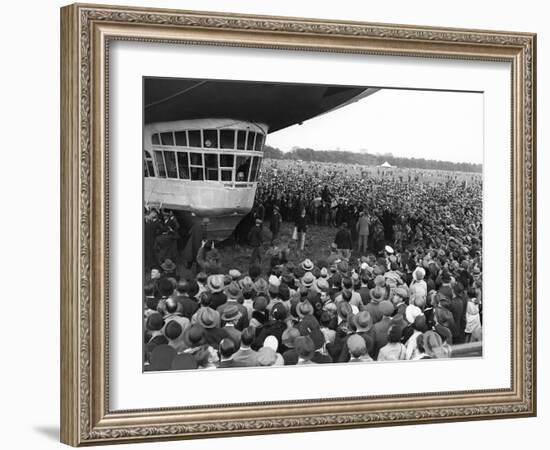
[{"x": 203, "y": 141}]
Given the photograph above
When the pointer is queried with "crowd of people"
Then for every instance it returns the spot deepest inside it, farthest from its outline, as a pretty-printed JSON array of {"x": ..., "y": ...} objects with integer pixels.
[
  {"x": 401, "y": 280},
  {"x": 400, "y": 210}
]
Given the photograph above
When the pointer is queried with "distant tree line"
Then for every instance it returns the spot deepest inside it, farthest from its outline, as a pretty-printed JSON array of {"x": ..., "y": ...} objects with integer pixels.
[{"x": 367, "y": 159}]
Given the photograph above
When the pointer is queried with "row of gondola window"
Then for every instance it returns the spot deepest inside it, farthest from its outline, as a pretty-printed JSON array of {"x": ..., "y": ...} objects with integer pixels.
[
  {"x": 211, "y": 138},
  {"x": 201, "y": 166}
]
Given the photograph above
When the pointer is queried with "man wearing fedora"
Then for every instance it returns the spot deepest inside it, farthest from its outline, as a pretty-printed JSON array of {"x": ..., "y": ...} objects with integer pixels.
[
  {"x": 377, "y": 294},
  {"x": 209, "y": 320},
  {"x": 230, "y": 316},
  {"x": 364, "y": 329},
  {"x": 169, "y": 268},
  {"x": 216, "y": 285},
  {"x": 275, "y": 223},
  {"x": 255, "y": 239},
  {"x": 344, "y": 242},
  {"x": 381, "y": 327},
  {"x": 187, "y": 305},
  {"x": 305, "y": 349},
  {"x": 233, "y": 294},
  {"x": 273, "y": 327}
]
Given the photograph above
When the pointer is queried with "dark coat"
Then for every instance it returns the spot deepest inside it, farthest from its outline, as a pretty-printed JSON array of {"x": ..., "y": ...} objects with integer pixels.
[
  {"x": 368, "y": 337},
  {"x": 275, "y": 222},
  {"x": 188, "y": 306},
  {"x": 242, "y": 323},
  {"x": 381, "y": 333},
  {"x": 213, "y": 336},
  {"x": 320, "y": 358},
  {"x": 255, "y": 236},
  {"x": 227, "y": 363},
  {"x": 301, "y": 224},
  {"x": 209, "y": 266},
  {"x": 218, "y": 299},
  {"x": 197, "y": 234},
  {"x": 271, "y": 328},
  {"x": 150, "y": 232},
  {"x": 343, "y": 239}
]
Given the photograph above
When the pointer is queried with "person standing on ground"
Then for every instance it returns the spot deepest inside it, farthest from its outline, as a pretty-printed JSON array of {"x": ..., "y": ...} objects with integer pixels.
[
  {"x": 363, "y": 231},
  {"x": 344, "y": 242},
  {"x": 255, "y": 239},
  {"x": 301, "y": 228},
  {"x": 197, "y": 234},
  {"x": 275, "y": 223}
]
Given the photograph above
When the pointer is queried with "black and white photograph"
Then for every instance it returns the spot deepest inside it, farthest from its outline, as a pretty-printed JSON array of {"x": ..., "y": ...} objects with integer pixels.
[{"x": 301, "y": 224}]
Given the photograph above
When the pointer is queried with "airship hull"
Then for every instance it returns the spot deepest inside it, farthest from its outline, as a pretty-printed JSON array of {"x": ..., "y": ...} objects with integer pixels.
[{"x": 224, "y": 205}]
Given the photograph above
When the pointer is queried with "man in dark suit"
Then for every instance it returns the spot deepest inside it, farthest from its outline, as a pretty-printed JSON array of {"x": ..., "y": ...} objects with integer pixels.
[
  {"x": 275, "y": 223},
  {"x": 255, "y": 240},
  {"x": 152, "y": 228},
  {"x": 227, "y": 348},
  {"x": 274, "y": 327},
  {"x": 233, "y": 293},
  {"x": 344, "y": 241},
  {"x": 187, "y": 306},
  {"x": 245, "y": 356}
]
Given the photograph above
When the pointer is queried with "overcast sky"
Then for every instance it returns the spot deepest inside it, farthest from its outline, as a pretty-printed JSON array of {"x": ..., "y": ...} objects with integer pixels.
[{"x": 445, "y": 126}]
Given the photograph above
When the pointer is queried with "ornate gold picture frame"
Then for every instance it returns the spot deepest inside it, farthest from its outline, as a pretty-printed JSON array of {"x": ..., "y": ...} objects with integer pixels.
[{"x": 86, "y": 34}]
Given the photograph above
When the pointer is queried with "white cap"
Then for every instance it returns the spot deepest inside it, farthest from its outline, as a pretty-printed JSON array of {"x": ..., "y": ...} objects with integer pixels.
[
  {"x": 274, "y": 281},
  {"x": 271, "y": 342}
]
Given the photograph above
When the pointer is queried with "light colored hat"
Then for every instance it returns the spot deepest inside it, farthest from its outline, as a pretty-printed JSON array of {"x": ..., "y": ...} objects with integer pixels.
[
  {"x": 246, "y": 284},
  {"x": 230, "y": 313},
  {"x": 363, "y": 321},
  {"x": 260, "y": 286},
  {"x": 307, "y": 265},
  {"x": 304, "y": 309},
  {"x": 274, "y": 283},
  {"x": 386, "y": 307},
  {"x": 233, "y": 291},
  {"x": 234, "y": 274},
  {"x": 412, "y": 312},
  {"x": 208, "y": 318},
  {"x": 419, "y": 273},
  {"x": 215, "y": 283},
  {"x": 308, "y": 279},
  {"x": 388, "y": 249},
  {"x": 271, "y": 342},
  {"x": 321, "y": 285},
  {"x": 377, "y": 294}
]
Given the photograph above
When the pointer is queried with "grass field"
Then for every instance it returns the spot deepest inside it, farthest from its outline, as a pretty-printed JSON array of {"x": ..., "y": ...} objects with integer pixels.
[{"x": 318, "y": 239}]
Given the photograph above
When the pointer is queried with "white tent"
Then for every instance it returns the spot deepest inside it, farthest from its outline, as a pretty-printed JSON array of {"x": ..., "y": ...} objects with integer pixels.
[{"x": 386, "y": 165}]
